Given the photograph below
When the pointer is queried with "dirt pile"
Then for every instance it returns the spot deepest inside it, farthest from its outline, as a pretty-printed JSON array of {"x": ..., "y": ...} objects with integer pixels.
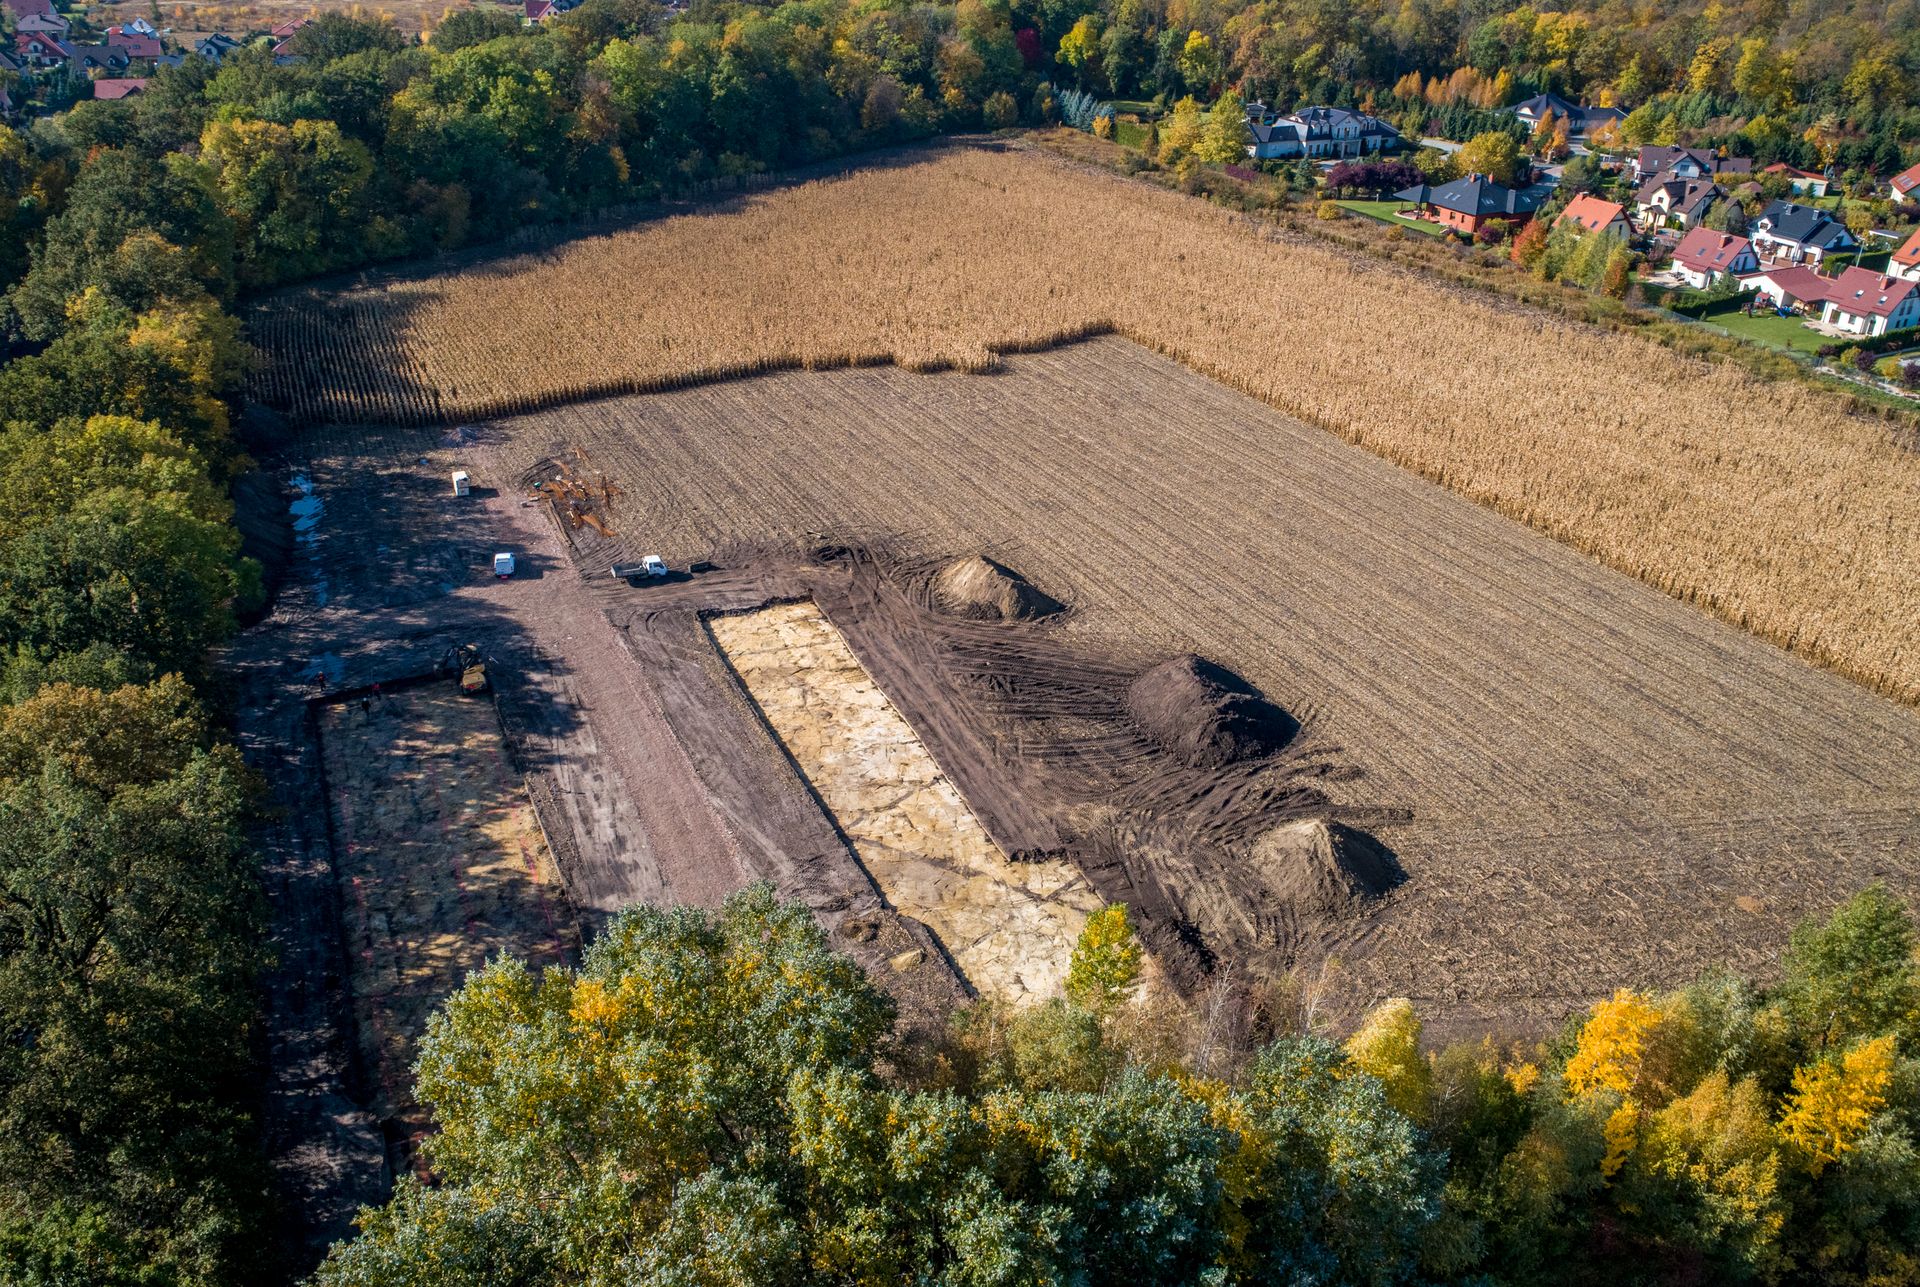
[
  {"x": 1322, "y": 869},
  {"x": 1205, "y": 715},
  {"x": 983, "y": 590}
]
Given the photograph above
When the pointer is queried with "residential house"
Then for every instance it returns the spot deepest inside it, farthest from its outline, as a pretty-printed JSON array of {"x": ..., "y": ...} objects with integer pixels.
[
  {"x": 1682, "y": 162},
  {"x": 1867, "y": 302},
  {"x": 1581, "y": 120},
  {"x": 28, "y": 8},
  {"x": 1805, "y": 183},
  {"x": 1672, "y": 198},
  {"x": 44, "y": 24},
  {"x": 110, "y": 59},
  {"x": 1705, "y": 256},
  {"x": 1315, "y": 132},
  {"x": 1905, "y": 182},
  {"x": 138, "y": 44},
  {"x": 1906, "y": 260},
  {"x": 1793, "y": 286},
  {"x": 1470, "y": 203},
  {"x": 8, "y": 63},
  {"x": 215, "y": 47},
  {"x": 1595, "y": 215},
  {"x": 42, "y": 51},
  {"x": 283, "y": 37},
  {"x": 1799, "y": 234},
  {"x": 111, "y": 88}
]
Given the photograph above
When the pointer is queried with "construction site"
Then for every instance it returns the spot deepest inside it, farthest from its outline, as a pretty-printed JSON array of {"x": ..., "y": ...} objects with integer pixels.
[{"x": 954, "y": 671}]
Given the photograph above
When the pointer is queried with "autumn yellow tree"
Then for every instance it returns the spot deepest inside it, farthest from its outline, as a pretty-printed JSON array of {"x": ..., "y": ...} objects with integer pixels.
[
  {"x": 1387, "y": 1047},
  {"x": 1834, "y": 1101},
  {"x": 1182, "y": 131},
  {"x": 1106, "y": 961}
]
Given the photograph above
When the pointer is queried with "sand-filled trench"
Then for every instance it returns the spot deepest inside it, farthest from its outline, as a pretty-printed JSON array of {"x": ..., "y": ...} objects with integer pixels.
[{"x": 1010, "y": 927}]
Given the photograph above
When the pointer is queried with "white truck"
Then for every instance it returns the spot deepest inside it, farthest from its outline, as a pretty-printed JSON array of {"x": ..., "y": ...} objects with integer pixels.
[{"x": 650, "y": 568}]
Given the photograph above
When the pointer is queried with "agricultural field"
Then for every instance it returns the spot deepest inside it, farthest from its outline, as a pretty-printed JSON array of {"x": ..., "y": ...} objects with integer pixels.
[
  {"x": 1766, "y": 504},
  {"x": 1582, "y": 780}
]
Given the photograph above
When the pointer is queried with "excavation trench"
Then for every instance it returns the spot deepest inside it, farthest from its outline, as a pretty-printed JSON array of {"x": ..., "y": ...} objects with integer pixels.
[{"x": 1009, "y": 926}]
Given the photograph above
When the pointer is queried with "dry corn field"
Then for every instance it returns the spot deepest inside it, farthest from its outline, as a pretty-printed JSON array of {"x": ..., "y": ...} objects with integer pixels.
[
  {"x": 1760, "y": 501},
  {"x": 1604, "y": 785}
]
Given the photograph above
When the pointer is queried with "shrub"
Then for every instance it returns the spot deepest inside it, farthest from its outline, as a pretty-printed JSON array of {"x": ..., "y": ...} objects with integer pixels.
[
  {"x": 1001, "y": 111},
  {"x": 1328, "y": 210}
]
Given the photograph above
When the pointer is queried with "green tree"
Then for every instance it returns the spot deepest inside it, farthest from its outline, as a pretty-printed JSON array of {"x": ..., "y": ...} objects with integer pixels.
[
  {"x": 297, "y": 195},
  {"x": 1852, "y": 976},
  {"x": 1224, "y": 140},
  {"x": 1105, "y": 966}
]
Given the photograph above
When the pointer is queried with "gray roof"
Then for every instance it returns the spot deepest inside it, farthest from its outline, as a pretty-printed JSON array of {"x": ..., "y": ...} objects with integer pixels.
[
  {"x": 1688, "y": 197},
  {"x": 1474, "y": 195},
  {"x": 1806, "y": 225}
]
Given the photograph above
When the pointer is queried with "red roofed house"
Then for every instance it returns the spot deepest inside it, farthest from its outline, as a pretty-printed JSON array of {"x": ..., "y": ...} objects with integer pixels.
[
  {"x": 539, "y": 10},
  {"x": 1869, "y": 303},
  {"x": 1704, "y": 256},
  {"x": 1904, "y": 183},
  {"x": 1595, "y": 215},
  {"x": 42, "y": 51},
  {"x": 284, "y": 33},
  {"x": 1806, "y": 183},
  {"x": 135, "y": 43},
  {"x": 111, "y": 88},
  {"x": 1906, "y": 260},
  {"x": 1792, "y": 286}
]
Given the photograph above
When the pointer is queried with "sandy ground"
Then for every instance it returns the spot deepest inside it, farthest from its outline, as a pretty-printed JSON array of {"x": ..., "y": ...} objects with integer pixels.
[{"x": 1010, "y": 927}]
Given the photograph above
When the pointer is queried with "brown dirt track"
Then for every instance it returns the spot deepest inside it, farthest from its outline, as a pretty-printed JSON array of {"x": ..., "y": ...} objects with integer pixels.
[{"x": 1595, "y": 773}]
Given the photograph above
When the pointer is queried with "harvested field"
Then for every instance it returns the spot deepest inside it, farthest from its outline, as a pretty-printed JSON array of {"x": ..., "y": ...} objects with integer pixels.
[
  {"x": 441, "y": 865},
  {"x": 1581, "y": 781},
  {"x": 1009, "y": 927},
  {"x": 1763, "y": 503}
]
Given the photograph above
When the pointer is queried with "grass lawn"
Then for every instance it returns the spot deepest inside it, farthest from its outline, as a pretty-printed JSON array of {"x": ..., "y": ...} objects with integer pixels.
[
  {"x": 1129, "y": 134},
  {"x": 1386, "y": 212},
  {"x": 1142, "y": 106},
  {"x": 1788, "y": 333}
]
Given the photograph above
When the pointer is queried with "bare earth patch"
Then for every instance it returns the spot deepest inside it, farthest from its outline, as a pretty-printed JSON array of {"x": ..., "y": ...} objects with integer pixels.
[
  {"x": 441, "y": 866},
  {"x": 1010, "y": 927}
]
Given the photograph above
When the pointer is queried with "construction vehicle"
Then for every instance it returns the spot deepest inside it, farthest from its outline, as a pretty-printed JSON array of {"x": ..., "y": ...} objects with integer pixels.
[
  {"x": 650, "y": 568},
  {"x": 470, "y": 667}
]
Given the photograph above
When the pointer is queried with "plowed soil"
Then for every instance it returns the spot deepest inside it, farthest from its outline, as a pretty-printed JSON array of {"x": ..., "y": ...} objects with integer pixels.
[{"x": 1598, "y": 782}]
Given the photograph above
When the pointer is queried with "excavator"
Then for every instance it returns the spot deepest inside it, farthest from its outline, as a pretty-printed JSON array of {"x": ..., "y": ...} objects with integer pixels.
[{"x": 471, "y": 669}]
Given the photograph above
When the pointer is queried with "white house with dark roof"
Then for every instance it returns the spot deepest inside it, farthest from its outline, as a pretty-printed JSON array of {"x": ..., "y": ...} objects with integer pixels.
[
  {"x": 1317, "y": 132},
  {"x": 1800, "y": 234},
  {"x": 1672, "y": 198}
]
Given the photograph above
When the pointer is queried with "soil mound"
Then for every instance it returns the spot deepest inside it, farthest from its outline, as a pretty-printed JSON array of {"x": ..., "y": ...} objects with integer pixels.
[
  {"x": 1323, "y": 869},
  {"x": 979, "y": 588},
  {"x": 1205, "y": 715}
]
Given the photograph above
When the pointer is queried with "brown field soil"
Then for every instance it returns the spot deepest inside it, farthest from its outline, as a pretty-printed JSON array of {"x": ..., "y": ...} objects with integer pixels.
[
  {"x": 1764, "y": 502},
  {"x": 441, "y": 866},
  {"x": 1598, "y": 785}
]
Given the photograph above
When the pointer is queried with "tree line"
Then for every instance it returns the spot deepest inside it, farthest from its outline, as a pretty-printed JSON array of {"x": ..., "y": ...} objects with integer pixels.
[{"x": 721, "y": 1099}]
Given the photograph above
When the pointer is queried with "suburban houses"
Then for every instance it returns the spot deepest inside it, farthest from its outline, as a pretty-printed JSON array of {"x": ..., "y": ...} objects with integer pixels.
[
  {"x": 1470, "y": 203},
  {"x": 1596, "y": 215},
  {"x": 1805, "y": 183},
  {"x": 1906, "y": 260},
  {"x": 1800, "y": 234},
  {"x": 1905, "y": 183},
  {"x": 1317, "y": 132},
  {"x": 1866, "y": 302},
  {"x": 1581, "y": 120},
  {"x": 1705, "y": 257},
  {"x": 1670, "y": 198}
]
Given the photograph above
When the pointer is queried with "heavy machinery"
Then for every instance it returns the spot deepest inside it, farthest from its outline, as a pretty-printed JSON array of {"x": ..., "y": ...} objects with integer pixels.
[{"x": 470, "y": 668}]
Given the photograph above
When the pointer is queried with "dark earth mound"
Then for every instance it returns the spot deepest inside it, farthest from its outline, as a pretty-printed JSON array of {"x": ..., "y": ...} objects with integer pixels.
[
  {"x": 1206, "y": 716},
  {"x": 983, "y": 590}
]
